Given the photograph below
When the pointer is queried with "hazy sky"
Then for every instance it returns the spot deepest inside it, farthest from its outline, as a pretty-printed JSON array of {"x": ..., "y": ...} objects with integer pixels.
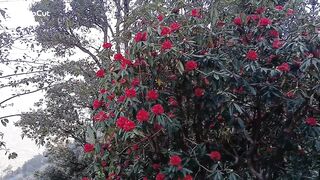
[{"x": 19, "y": 15}]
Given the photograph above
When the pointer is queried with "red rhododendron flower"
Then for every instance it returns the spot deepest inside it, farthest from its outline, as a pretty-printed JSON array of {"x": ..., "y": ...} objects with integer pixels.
[
  {"x": 121, "y": 99},
  {"x": 129, "y": 125},
  {"x": 88, "y": 147},
  {"x": 172, "y": 102},
  {"x": 276, "y": 44},
  {"x": 264, "y": 22},
  {"x": 135, "y": 147},
  {"x": 175, "y": 160},
  {"x": 165, "y": 31},
  {"x": 122, "y": 81},
  {"x": 160, "y": 176},
  {"x": 191, "y": 65},
  {"x": 135, "y": 82},
  {"x": 104, "y": 163},
  {"x": 157, "y": 109},
  {"x": 188, "y": 177},
  {"x": 140, "y": 36},
  {"x": 118, "y": 57},
  {"x": 100, "y": 73},
  {"x": 175, "y": 26},
  {"x": 103, "y": 91},
  {"x": 121, "y": 121},
  {"x": 253, "y": 17},
  {"x": 252, "y": 55},
  {"x": 171, "y": 115},
  {"x": 167, "y": 44},
  {"x": 279, "y": 8},
  {"x": 85, "y": 178},
  {"x": 215, "y": 155},
  {"x": 107, "y": 45},
  {"x": 152, "y": 95},
  {"x": 142, "y": 115},
  {"x": 96, "y": 104},
  {"x": 274, "y": 33},
  {"x": 144, "y": 178},
  {"x": 198, "y": 92},
  {"x": 195, "y": 13},
  {"x": 101, "y": 116},
  {"x": 111, "y": 96},
  {"x": 125, "y": 62},
  {"x": 131, "y": 93},
  {"x": 160, "y": 17},
  {"x": 311, "y": 121},
  {"x": 290, "y": 12},
  {"x": 290, "y": 94},
  {"x": 157, "y": 127},
  {"x": 284, "y": 67},
  {"x": 260, "y": 10},
  {"x": 156, "y": 166},
  {"x": 237, "y": 21}
]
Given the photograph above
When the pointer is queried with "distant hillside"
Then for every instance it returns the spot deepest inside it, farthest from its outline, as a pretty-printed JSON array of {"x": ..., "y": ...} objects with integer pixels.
[{"x": 27, "y": 170}]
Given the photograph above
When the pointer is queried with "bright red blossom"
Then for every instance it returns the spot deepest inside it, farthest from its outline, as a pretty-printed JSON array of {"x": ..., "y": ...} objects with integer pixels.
[
  {"x": 290, "y": 12},
  {"x": 100, "y": 73},
  {"x": 195, "y": 13},
  {"x": 165, "y": 31},
  {"x": 152, "y": 95},
  {"x": 125, "y": 124},
  {"x": 265, "y": 22},
  {"x": 129, "y": 125},
  {"x": 88, "y": 147},
  {"x": 157, "y": 109},
  {"x": 135, "y": 82},
  {"x": 215, "y": 155},
  {"x": 279, "y": 8},
  {"x": 172, "y": 102},
  {"x": 284, "y": 67},
  {"x": 175, "y": 26},
  {"x": 167, "y": 44},
  {"x": 198, "y": 92},
  {"x": 140, "y": 36},
  {"x": 260, "y": 10},
  {"x": 118, "y": 57},
  {"x": 85, "y": 178},
  {"x": 160, "y": 176},
  {"x": 96, "y": 104},
  {"x": 101, "y": 116},
  {"x": 274, "y": 33},
  {"x": 311, "y": 121},
  {"x": 175, "y": 160},
  {"x": 252, "y": 55},
  {"x": 131, "y": 93},
  {"x": 237, "y": 21},
  {"x": 107, "y": 45},
  {"x": 276, "y": 44},
  {"x": 160, "y": 17},
  {"x": 142, "y": 115},
  {"x": 191, "y": 65},
  {"x": 103, "y": 91}
]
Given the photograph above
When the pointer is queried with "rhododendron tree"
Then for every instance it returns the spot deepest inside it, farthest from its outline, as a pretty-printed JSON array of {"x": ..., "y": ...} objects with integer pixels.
[{"x": 212, "y": 96}]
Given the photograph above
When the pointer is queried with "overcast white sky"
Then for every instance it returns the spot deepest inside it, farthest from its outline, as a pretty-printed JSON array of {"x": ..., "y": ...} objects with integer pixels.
[{"x": 26, "y": 149}]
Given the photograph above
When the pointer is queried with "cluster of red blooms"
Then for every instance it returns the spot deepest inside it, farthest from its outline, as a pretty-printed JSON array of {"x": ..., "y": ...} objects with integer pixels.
[{"x": 143, "y": 114}]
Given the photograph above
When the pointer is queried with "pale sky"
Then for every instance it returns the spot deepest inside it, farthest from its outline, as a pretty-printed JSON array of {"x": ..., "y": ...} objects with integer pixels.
[{"x": 19, "y": 15}]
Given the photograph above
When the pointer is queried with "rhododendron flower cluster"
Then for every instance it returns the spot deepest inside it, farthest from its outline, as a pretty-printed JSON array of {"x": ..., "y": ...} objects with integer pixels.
[{"x": 194, "y": 96}]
